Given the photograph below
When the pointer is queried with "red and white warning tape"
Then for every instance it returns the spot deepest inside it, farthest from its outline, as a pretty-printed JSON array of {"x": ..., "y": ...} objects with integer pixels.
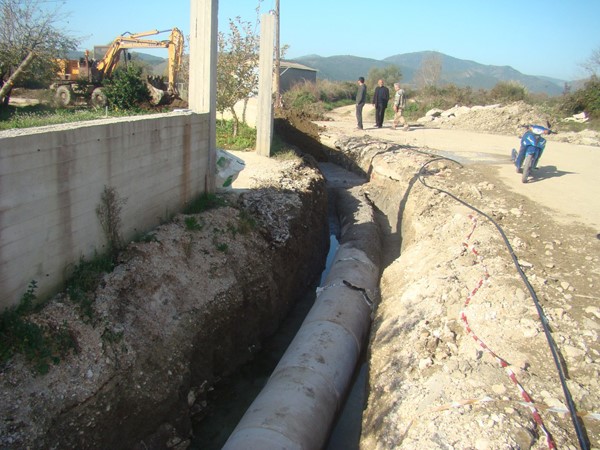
[{"x": 505, "y": 365}]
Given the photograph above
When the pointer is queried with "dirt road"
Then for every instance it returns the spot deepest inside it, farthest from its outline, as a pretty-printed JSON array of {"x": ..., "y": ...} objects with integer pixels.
[{"x": 566, "y": 183}]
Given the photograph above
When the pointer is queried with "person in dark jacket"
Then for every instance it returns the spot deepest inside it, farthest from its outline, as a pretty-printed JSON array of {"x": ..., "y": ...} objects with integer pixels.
[
  {"x": 381, "y": 97},
  {"x": 361, "y": 98}
]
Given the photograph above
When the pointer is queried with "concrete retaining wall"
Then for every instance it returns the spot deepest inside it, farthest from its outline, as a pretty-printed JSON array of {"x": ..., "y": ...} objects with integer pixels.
[{"x": 52, "y": 179}]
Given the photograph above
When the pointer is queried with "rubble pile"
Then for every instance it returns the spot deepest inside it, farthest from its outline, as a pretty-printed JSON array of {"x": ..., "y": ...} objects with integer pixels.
[{"x": 503, "y": 119}]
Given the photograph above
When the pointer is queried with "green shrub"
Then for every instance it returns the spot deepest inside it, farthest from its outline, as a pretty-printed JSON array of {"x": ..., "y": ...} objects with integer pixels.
[
  {"x": 204, "y": 202},
  {"x": 301, "y": 97},
  {"x": 508, "y": 91},
  {"x": 126, "y": 89},
  {"x": 312, "y": 100},
  {"x": 40, "y": 345},
  {"x": 244, "y": 140},
  {"x": 586, "y": 99},
  {"x": 85, "y": 279},
  {"x": 335, "y": 93}
]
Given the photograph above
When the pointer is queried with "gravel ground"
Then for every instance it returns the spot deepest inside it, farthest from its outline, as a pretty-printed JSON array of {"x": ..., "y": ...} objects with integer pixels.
[{"x": 459, "y": 358}]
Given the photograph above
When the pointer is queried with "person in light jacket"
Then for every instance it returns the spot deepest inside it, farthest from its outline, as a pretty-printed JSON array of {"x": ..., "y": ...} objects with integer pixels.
[{"x": 399, "y": 105}]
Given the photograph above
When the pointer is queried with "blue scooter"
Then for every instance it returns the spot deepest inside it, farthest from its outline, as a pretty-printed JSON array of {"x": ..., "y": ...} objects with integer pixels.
[{"x": 532, "y": 147}]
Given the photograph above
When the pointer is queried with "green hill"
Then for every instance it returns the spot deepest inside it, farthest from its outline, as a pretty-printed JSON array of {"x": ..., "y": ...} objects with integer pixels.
[{"x": 456, "y": 71}]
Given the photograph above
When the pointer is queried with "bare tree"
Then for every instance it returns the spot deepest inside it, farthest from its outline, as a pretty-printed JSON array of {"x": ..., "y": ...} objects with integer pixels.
[
  {"x": 592, "y": 64},
  {"x": 430, "y": 71},
  {"x": 30, "y": 42},
  {"x": 237, "y": 67}
]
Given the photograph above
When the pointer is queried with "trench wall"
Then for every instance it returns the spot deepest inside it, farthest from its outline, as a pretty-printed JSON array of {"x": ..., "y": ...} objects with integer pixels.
[{"x": 52, "y": 179}]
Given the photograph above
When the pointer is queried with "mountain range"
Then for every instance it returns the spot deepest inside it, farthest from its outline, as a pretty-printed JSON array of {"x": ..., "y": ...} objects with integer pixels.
[{"x": 456, "y": 71}]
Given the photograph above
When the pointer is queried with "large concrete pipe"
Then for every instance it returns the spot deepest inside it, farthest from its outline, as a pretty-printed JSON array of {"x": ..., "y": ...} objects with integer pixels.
[{"x": 297, "y": 407}]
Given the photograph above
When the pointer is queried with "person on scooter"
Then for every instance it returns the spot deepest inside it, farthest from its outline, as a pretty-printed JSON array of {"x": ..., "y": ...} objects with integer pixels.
[{"x": 533, "y": 136}]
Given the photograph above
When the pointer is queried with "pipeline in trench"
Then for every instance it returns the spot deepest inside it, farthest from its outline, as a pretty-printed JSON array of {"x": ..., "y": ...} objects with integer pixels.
[{"x": 232, "y": 397}]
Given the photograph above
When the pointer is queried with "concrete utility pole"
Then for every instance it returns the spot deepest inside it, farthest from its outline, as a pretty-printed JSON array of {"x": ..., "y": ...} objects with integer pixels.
[
  {"x": 203, "y": 73},
  {"x": 264, "y": 116},
  {"x": 277, "y": 57}
]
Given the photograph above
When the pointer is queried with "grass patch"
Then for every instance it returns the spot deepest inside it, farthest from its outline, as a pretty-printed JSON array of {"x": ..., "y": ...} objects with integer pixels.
[
  {"x": 146, "y": 237},
  {"x": 40, "y": 345},
  {"x": 281, "y": 150},
  {"x": 41, "y": 115},
  {"x": 222, "y": 247},
  {"x": 246, "y": 223},
  {"x": 330, "y": 106},
  {"x": 592, "y": 124},
  {"x": 192, "y": 224},
  {"x": 245, "y": 139},
  {"x": 43, "y": 345},
  {"x": 84, "y": 281},
  {"x": 205, "y": 202}
]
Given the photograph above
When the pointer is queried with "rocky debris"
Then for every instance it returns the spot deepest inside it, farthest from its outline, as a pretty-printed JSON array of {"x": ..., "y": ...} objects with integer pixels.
[
  {"x": 503, "y": 119},
  {"x": 185, "y": 306},
  {"x": 579, "y": 118},
  {"x": 453, "y": 307},
  {"x": 276, "y": 202}
]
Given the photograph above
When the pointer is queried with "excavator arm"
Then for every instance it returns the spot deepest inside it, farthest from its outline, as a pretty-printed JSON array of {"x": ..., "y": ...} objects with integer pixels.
[{"x": 175, "y": 44}]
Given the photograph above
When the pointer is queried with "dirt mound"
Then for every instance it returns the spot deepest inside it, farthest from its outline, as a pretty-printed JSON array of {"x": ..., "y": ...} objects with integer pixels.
[
  {"x": 503, "y": 119},
  {"x": 185, "y": 306},
  {"x": 454, "y": 311}
]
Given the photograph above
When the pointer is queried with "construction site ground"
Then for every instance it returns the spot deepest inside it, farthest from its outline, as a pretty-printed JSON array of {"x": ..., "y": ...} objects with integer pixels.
[
  {"x": 453, "y": 308},
  {"x": 457, "y": 345}
]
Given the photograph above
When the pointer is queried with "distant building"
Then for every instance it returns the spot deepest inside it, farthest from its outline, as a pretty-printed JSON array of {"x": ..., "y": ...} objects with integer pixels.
[{"x": 292, "y": 73}]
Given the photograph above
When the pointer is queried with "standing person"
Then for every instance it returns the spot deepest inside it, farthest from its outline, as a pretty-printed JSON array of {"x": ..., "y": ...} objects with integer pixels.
[
  {"x": 399, "y": 105},
  {"x": 361, "y": 97},
  {"x": 381, "y": 97}
]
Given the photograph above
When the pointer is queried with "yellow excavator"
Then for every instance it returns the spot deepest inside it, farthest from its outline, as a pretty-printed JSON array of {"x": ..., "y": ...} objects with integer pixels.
[{"x": 83, "y": 78}]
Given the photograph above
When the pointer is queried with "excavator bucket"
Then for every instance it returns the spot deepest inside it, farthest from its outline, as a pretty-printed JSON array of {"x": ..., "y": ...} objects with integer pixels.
[{"x": 157, "y": 96}]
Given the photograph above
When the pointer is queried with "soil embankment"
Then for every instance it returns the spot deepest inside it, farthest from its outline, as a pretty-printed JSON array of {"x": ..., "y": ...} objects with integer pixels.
[
  {"x": 454, "y": 309},
  {"x": 189, "y": 304}
]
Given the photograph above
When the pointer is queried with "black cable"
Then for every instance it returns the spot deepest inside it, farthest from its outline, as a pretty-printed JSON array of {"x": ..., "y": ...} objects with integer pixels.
[{"x": 581, "y": 436}]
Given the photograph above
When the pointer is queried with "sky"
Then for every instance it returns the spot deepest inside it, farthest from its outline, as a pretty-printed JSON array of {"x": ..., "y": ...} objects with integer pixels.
[{"x": 543, "y": 38}]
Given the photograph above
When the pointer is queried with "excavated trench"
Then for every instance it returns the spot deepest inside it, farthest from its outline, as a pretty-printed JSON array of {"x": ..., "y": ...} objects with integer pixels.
[
  {"x": 277, "y": 422},
  {"x": 140, "y": 390},
  {"x": 233, "y": 396},
  {"x": 270, "y": 421},
  {"x": 143, "y": 389},
  {"x": 439, "y": 353}
]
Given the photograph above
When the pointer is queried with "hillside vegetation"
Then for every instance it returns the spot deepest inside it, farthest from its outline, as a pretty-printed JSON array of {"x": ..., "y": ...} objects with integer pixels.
[
  {"x": 454, "y": 71},
  {"x": 314, "y": 100}
]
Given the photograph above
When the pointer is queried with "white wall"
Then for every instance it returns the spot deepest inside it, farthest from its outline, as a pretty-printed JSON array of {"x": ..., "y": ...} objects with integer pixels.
[{"x": 52, "y": 178}]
